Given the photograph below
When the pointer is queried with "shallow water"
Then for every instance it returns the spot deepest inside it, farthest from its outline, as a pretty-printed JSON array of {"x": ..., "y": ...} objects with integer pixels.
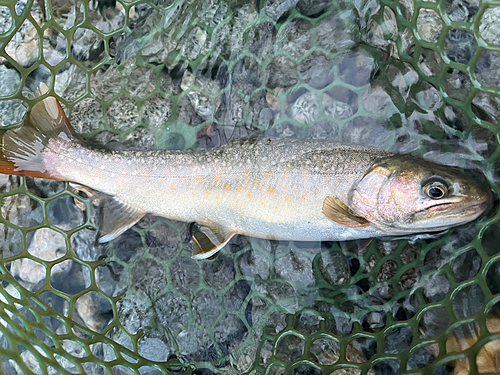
[{"x": 200, "y": 74}]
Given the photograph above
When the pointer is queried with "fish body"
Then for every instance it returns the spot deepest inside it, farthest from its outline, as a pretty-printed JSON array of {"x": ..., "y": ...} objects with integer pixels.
[
  {"x": 303, "y": 190},
  {"x": 270, "y": 188}
]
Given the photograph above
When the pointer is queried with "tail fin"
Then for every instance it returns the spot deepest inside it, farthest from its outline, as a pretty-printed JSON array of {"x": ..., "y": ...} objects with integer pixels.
[{"x": 21, "y": 151}]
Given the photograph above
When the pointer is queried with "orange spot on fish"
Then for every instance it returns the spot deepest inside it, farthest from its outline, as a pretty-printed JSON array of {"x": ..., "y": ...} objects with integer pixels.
[
  {"x": 194, "y": 194},
  {"x": 172, "y": 187},
  {"x": 271, "y": 190},
  {"x": 249, "y": 196},
  {"x": 239, "y": 188},
  {"x": 124, "y": 173},
  {"x": 284, "y": 175},
  {"x": 146, "y": 174},
  {"x": 236, "y": 175},
  {"x": 227, "y": 187},
  {"x": 233, "y": 204},
  {"x": 182, "y": 196},
  {"x": 217, "y": 177},
  {"x": 305, "y": 176},
  {"x": 268, "y": 175},
  {"x": 199, "y": 179},
  {"x": 216, "y": 197},
  {"x": 337, "y": 182},
  {"x": 287, "y": 199},
  {"x": 304, "y": 196},
  {"x": 207, "y": 192},
  {"x": 316, "y": 192},
  {"x": 325, "y": 181},
  {"x": 161, "y": 179},
  {"x": 255, "y": 183},
  {"x": 262, "y": 203},
  {"x": 294, "y": 187},
  {"x": 279, "y": 186},
  {"x": 184, "y": 180},
  {"x": 276, "y": 207},
  {"x": 245, "y": 175}
]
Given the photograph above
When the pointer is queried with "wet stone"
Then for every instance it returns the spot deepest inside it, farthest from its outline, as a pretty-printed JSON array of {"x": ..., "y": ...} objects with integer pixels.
[
  {"x": 185, "y": 275},
  {"x": 156, "y": 110},
  {"x": 149, "y": 276},
  {"x": 95, "y": 310},
  {"x": 195, "y": 345},
  {"x": 488, "y": 68},
  {"x": 18, "y": 209},
  {"x": 356, "y": 68},
  {"x": 422, "y": 357},
  {"x": 281, "y": 72},
  {"x": 374, "y": 321},
  {"x": 334, "y": 267},
  {"x": 434, "y": 322},
  {"x": 163, "y": 241},
  {"x": 10, "y": 242},
  {"x": 326, "y": 351},
  {"x": 63, "y": 213},
  {"x": 466, "y": 265},
  {"x": 488, "y": 26},
  {"x": 460, "y": 46},
  {"x": 229, "y": 333},
  {"x": 254, "y": 263},
  {"x": 87, "y": 116},
  {"x": 307, "y": 323},
  {"x": 29, "y": 272},
  {"x": 281, "y": 293},
  {"x": 304, "y": 370},
  {"x": 398, "y": 340},
  {"x": 468, "y": 301},
  {"x": 152, "y": 346},
  {"x": 277, "y": 321},
  {"x": 236, "y": 295},
  {"x": 207, "y": 307},
  {"x": 47, "y": 244},
  {"x": 436, "y": 288},
  {"x": 134, "y": 313},
  {"x": 290, "y": 348},
  {"x": 112, "y": 279},
  {"x": 219, "y": 273},
  {"x": 128, "y": 246},
  {"x": 172, "y": 312},
  {"x": 295, "y": 269},
  {"x": 306, "y": 108},
  {"x": 86, "y": 247}
]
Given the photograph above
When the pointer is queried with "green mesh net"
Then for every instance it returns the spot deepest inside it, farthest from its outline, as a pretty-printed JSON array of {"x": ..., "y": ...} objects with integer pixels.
[{"x": 410, "y": 76}]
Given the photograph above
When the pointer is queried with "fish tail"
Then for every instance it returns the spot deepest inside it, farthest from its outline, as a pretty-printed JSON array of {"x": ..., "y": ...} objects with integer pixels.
[{"x": 22, "y": 148}]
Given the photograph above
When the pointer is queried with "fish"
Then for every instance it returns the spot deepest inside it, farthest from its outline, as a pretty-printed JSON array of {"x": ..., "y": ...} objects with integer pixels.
[{"x": 271, "y": 188}]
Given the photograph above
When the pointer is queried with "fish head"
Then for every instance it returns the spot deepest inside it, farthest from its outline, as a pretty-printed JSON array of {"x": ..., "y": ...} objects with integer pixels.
[{"x": 404, "y": 194}]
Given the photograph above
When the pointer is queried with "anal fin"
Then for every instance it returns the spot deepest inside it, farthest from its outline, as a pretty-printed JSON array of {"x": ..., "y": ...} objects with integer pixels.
[
  {"x": 209, "y": 239},
  {"x": 116, "y": 217},
  {"x": 338, "y": 212}
]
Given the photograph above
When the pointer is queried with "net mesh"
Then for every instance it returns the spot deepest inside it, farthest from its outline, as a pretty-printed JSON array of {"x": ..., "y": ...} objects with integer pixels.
[{"x": 411, "y": 76}]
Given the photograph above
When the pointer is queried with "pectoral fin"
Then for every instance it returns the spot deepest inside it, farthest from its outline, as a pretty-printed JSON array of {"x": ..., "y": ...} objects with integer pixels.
[
  {"x": 116, "y": 217},
  {"x": 209, "y": 239},
  {"x": 337, "y": 211}
]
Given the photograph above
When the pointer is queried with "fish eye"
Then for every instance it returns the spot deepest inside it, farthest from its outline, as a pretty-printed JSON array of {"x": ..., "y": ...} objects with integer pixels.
[{"x": 435, "y": 189}]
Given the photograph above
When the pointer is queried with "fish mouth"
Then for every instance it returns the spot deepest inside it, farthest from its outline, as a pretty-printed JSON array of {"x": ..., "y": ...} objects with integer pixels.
[{"x": 464, "y": 210}]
